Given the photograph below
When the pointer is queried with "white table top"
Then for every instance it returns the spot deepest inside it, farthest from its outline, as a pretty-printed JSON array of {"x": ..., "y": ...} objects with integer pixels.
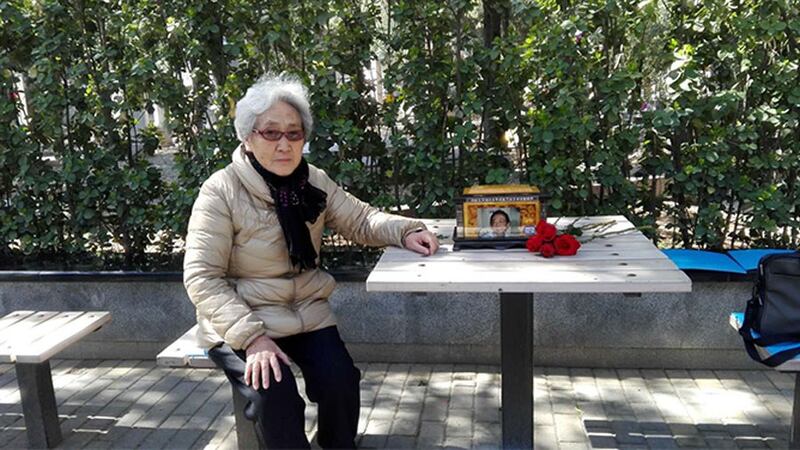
[{"x": 626, "y": 263}]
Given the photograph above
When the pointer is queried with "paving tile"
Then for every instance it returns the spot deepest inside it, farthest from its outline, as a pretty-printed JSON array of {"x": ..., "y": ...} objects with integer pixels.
[
  {"x": 401, "y": 442},
  {"x": 602, "y": 440},
  {"x": 229, "y": 442},
  {"x": 459, "y": 423},
  {"x": 569, "y": 428},
  {"x": 363, "y": 418},
  {"x": 597, "y": 426},
  {"x": 544, "y": 437},
  {"x": 563, "y": 403},
  {"x": 486, "y": 433},
  {"x": 591, "y": 410},
  {"x": 691, "y": 441},
  {"x": 782, "y": 381},
  {"x": 744, "y": 431},
  {"x": 457, "y": 443},
  {"x": 660, "y": 441},
  {"x": 462, "y": 397},
  {"x": 405, "y": 423},
  {"x": 647, "y": 412},
  {"x": 372, "y": 441},
  {"x": 719, "y": 440},
  {"x": 628, "y": 433},
  {"x": 430, "y": 434},
  {"x": 219, "y": 429},
  {"x": 435, "y": 408},
  {"x": 124, "y": 404},
  {"x": 384, "y": 409},
  {"x": 488, "y": 409},
  {"x": 381, "y": 427},
  {"x": 777, "y": 443},
  {"x": 712, "y": 428},
  {"x": 684, "y": 429},
  {"x": 758, "y": 381},
  {"x": 779, "y": 430},
  {"x": 750, "y": 443},
  {"x": 573, "y": 446}
]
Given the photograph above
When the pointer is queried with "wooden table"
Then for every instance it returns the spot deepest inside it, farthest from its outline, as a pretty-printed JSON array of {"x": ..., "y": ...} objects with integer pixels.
[
  {"x": 29, "y": 339},
  {"x": 624, "y": 263}
]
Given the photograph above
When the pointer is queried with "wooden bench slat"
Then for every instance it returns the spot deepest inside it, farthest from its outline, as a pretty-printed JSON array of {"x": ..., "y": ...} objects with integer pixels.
[
  {"x": 64, "y": 330},
  {"x": 13, "y": 317},
  {"x": 21, "y": 333},
  {"x": 54, "y": 324},
  {"x": 172, "y": 359},
  {"x": 183, "y": 352},
  {"x": 46, "y": 329},
  {"x": 201, "y": 362}
]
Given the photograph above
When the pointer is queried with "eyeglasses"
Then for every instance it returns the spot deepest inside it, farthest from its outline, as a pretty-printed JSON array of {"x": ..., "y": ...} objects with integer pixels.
[{"x": 275, "y": 135}]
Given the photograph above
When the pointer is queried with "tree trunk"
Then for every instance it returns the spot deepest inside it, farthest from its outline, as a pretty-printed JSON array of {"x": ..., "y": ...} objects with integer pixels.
[{"x": 495, "y": 21}]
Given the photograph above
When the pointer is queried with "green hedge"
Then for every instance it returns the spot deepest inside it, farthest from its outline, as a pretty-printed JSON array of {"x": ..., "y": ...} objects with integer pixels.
[{"x": 596, "y": 102}]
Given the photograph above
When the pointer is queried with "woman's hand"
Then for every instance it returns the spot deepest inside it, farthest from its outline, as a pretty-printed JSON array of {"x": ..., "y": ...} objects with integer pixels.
[
  {"x": 262, "y": 355},
  {"x": 423, "y": 242}
]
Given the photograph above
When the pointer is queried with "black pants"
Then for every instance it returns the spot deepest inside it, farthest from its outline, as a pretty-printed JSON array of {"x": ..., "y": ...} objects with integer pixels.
[{"x": 331, "y": 381}]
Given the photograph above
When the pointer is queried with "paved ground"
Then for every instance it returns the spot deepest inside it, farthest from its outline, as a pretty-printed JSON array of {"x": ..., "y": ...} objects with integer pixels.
[{"x": 130, "y": 404}]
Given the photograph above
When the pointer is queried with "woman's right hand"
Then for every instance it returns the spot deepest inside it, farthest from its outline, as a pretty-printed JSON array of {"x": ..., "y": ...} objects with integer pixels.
[{"x": 262, "y": 355}]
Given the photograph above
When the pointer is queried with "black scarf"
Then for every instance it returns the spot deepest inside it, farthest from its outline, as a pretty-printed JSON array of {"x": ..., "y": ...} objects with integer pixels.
[{"x": 296, "y": 202}]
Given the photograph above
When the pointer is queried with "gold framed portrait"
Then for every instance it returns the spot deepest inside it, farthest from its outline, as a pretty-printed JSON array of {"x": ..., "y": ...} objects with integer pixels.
[{"x": 503, "y": 214}]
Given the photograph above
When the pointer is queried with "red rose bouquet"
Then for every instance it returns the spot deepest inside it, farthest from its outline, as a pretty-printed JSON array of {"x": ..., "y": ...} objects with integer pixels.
[{"x": 548, "y": 242}]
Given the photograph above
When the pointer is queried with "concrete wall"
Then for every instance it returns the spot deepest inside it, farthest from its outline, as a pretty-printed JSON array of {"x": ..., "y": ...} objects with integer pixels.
[{"x": 587, "y": 330}]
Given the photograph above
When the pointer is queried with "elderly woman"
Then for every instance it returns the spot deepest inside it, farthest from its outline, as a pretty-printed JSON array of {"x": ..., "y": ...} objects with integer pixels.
[{"x": 252, "y": 270}]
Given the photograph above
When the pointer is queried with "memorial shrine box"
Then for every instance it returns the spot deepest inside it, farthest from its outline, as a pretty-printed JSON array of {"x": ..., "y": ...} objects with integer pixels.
[{"x": 497, "y": 216}]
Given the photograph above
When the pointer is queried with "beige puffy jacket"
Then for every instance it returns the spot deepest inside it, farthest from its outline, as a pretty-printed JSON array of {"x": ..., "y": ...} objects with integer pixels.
[{"x": 237, "y": 270}]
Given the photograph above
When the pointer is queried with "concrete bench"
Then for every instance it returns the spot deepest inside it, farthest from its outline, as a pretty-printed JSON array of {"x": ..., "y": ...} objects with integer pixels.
[
  {"x": 791, "y": 366},
  {"x": 184, "y": 352},
  {"x": 29, "y": 339}
]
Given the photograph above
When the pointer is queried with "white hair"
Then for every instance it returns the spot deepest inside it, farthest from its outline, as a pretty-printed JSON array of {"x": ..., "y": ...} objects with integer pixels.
[{"x": 261, "y": 96}]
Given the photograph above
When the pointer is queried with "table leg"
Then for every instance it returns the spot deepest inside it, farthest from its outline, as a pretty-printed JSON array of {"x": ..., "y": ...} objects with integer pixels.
[
  {"x": 516, "y": 335},
  {"x": 38, "y": 404}
]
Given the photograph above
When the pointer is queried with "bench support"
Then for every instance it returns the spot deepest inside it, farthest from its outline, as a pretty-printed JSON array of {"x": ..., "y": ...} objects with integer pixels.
[
  {"x": 246, "y": 437},
  {"x": 516, "y": 346},
  {"x": 39, "y": 404}
]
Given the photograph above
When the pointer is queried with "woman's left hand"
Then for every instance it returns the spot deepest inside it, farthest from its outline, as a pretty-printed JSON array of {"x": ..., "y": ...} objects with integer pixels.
[{"x": 423, "y": 242}]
